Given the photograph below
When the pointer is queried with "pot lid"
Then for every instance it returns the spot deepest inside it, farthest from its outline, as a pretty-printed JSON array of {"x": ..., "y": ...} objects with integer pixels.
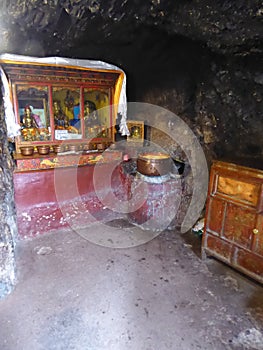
[{"x": 154, "y": 155}]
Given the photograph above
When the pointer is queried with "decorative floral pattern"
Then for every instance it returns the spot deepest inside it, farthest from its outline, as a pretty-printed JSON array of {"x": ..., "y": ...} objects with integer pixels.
[{"x": 66, "y": 160}]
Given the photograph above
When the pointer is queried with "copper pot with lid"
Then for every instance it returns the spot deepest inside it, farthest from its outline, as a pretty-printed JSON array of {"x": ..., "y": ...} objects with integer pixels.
[{"x": 154, "y": 163}]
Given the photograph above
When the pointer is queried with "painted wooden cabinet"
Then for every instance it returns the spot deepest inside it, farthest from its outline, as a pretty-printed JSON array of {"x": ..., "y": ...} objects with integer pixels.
[{"x": 234, "y": 218}]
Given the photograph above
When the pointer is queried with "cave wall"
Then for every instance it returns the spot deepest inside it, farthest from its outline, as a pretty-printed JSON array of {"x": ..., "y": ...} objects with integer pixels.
[
  {"x": 220, "y": 97},
  {"x": 233, "y": 92},
  {"x": 8, "y": 232}
]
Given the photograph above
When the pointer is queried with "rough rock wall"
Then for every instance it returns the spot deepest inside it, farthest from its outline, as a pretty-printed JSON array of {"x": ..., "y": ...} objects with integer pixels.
[
  {"x": 8, "y": 231},
  {"x": 233, "y": 94},
  {"x": 223, "y": 105},
  {"x": 225, "y": 26}
]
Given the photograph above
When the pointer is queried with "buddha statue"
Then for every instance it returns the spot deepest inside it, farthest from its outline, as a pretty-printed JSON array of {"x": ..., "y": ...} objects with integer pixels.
[
  {"x": 136, "y": 132},
  {"x": 61, "y": 121},
  {"x": 30, "y": 120},
  {"x": 90, "y": 113},
  {"x": 91, "y": 120},
  {"x": 31, "y": 125}
]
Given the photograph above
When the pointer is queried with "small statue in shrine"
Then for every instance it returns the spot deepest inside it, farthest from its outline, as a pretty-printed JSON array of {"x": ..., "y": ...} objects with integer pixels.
[
  {"x": 31, "y": 125},
  {"x": 31, "y": 120},
  {"x": 136, "y": 132},
  {"x": 61, "y": 121},
  {"x": 90, "y": 114},
  {"x": 91, "y": 120}
]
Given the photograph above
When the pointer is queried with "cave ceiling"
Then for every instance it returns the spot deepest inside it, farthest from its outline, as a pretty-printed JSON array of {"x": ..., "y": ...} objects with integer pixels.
[{"x": 59, "y": 27}]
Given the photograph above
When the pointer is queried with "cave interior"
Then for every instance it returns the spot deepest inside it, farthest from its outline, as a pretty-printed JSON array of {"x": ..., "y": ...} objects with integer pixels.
[{"x": 200, "y": 60}]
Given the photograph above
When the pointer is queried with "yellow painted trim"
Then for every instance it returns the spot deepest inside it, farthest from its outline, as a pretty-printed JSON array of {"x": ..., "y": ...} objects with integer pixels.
[{"x": 117, "y": 93}]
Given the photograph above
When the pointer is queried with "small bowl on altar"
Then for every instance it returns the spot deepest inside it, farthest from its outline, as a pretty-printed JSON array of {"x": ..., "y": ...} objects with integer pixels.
[
  {"x": 74, "y": 147},
  {"x": 43, "y": 149},
  {"x": 27, "y": 150},
  {"x": 57, "y": 148},
  {"x": 86, "y": 147},
  {"x": 101, "y": 146}
]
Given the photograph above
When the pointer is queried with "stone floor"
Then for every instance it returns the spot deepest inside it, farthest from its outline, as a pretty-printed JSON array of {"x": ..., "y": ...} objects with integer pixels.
[{"x": 74, "y": 294}]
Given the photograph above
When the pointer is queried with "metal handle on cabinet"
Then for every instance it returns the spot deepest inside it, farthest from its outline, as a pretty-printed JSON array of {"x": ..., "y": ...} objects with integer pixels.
[{"x": 255, "y": 231}]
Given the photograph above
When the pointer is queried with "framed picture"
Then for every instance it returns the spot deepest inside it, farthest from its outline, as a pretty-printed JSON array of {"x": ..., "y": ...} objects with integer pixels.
[{"x": 136, "y": 129}]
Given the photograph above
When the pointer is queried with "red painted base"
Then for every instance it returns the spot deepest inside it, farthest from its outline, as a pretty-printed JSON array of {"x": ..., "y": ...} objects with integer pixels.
[
  {"x": 65, "y": 197},
  {"x": 160, "y": 205}
]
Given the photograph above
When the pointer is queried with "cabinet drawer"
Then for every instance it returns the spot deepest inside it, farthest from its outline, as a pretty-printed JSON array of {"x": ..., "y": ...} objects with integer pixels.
[{"x": 240, "y": 191}]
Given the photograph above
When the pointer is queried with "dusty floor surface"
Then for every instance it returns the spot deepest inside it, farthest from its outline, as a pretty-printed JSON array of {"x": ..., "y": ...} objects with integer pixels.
[{"x": 73, "y": 294}]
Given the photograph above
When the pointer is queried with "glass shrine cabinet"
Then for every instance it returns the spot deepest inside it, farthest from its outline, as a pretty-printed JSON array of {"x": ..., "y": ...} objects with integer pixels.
[{"x": 56, "y": 104}]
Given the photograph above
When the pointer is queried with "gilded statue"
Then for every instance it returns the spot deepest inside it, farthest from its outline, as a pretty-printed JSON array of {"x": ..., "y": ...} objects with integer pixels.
[
  {"x": 90, "y": 114},
  {"x": 61, "y": 121},
  {"x": 93, "y": 127},
  {"x": 31, "y": 125},
  {"x": 31, "y": 120}
]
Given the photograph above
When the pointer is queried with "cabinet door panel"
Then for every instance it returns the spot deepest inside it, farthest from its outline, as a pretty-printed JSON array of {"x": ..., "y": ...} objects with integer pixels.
[
  {"x": 216, "y": 208},
  {"x": 239, "y": 224},
  {"x": 217, "y": 247},
  {"x": 249, "y": 263}
]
